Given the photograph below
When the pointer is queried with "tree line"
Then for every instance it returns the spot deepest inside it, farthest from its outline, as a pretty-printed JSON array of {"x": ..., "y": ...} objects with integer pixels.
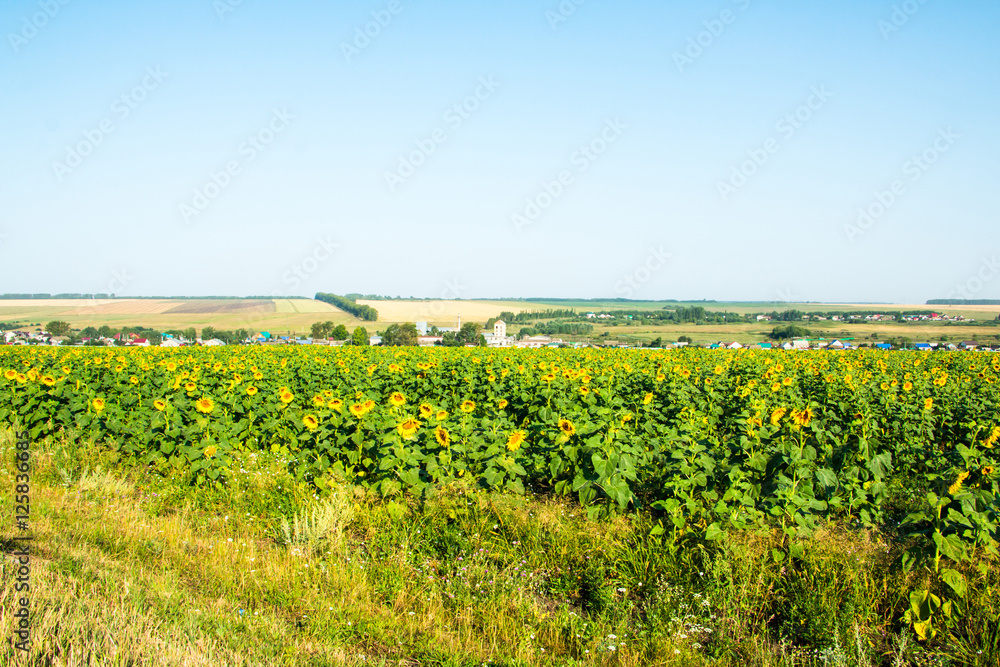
[{"x": 360, "y": 311}]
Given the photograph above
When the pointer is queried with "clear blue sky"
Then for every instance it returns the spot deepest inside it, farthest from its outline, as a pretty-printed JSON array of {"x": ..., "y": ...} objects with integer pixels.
[{"x": 322, "y": 202}]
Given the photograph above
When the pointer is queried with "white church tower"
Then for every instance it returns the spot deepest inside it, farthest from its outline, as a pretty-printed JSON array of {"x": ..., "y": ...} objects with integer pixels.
[{"x": 500, "y": 329}]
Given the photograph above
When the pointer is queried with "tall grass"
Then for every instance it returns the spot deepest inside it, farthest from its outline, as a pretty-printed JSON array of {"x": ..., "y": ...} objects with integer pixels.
[{"x": 136, "y": 569}]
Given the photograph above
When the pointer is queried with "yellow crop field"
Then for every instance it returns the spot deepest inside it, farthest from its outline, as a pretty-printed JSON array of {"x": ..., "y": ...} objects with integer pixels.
[{"x": 445, "y": 313}]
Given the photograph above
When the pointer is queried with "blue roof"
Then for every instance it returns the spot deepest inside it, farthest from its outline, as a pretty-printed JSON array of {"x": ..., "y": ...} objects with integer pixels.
[{"x": 883, "y": 346}]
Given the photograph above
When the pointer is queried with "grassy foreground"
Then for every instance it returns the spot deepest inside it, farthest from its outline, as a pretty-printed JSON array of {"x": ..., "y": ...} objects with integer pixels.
[{"x": 132, "y": 569}]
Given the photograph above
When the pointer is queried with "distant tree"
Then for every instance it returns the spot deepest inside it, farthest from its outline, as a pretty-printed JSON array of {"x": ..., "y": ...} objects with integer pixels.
[
  {"x": 684, "y": 339},
  {"x": 400, "y": 334},
  {"x": 190, "y": 333},
  {"x": 208, "y": 333},
  {"x": 360, "y": 336},
  {"x": 656, "y": 342},
  {"x": 340, "y": 332},
  {"x": 320, "y": 330},
  {"x": 789, "y": 331},
  {"x": 450, "y": 339},
  {"x": 469, "y": 333},
  {"x": 105, "y": 331},
  {"x": 481, "y": 341},
  {"x": 526, "y": 331},
  {"x": 89, "y": 332},
  {"x": 57, "y": 328}
]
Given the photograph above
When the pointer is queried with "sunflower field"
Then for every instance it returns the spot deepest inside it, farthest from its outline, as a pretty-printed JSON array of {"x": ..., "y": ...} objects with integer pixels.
[{"x": 709, "y": 441}]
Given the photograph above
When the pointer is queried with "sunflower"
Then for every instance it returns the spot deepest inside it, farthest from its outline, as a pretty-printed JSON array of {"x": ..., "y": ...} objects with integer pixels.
[
  {"x": 467, "y": 406},
  {"x": 286, "y": 396},
  {"x": 957, "y": 485},
  {"x": 98, "y": 404},
  {"x": 719, "y": 370},
  {"x": 396, "y": 399},
  {"x": 442, "y": 436},
  {"x": 210, "y": 451},
  {"x": 515, "y": 441},
  {"x": 190, "y": 386},
  {"x": 777, "y": 415},
  {"x": 660, "y": 377},
  {"x": 907, "y": 386},
  {"x": 441, "y": 415},
  {"x": 988, "y": 470},
  {"x": 584, "y": 391},
  {"x": 48, "y": 380},
  {"x": 10, "y": 374},
  {"x": 310, "y": 422},
  {"x": 648, "y": 398},
  {"x": 776, "y": 386},
  {"x": 336, "y": 404},
  {"x": 502, "y": 403},
  {"x": 20, "y": 377},
  {"x": 787, "y": 382},
  {"x": 357, "y": 410},
  {"x": 318, "y": 401},
  {"x": 160, "y": 405},
  {"x": 368, "y": 406},
  {"x": 204, "y": 405},
  {"x": 408, "y": 427},
  {"x": 134, "y": 380},
  {"x": 251, "y": 390},
  {"x": 992, "y": 438},
  {"x": 802, "y": 417},
  {"x": 426, "y": 410},
  {"x": 258, "y": 376},
  {"x": 928, "y": 403},
  {"x": 567, "y": 427}
]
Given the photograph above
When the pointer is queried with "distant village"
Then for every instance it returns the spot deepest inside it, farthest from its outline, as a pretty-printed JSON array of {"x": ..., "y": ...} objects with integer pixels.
[{"x": 497, "y": 337}]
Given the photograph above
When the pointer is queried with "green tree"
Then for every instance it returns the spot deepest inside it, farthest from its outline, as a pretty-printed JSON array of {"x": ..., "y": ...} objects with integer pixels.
[
  {"x": 105, "y": 331},
  {"x": 57, "y": 328},
  {"x": 319, "y": 330},
  {"x": 469, "y": 333},
  {"x": 400, "y": 334},
  {"x": 360, "y": 336},
  {"x": 340, "y": 332}
]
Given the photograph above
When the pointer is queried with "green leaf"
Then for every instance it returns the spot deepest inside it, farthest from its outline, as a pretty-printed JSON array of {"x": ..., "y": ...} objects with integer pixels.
[
  {"x": 955, "y": 580},
  {"x": 714, "y": 532}
]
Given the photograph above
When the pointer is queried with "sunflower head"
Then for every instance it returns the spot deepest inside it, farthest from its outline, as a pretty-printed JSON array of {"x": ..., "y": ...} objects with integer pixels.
[
  {"x": 204, "y": 405},
  {"x": 442, "y": 436},
  {"x": 515, "y": 441},
  {"x": 566, "y": 427},
  {"x": 98, "y": 404},
  {"x": 777, "y": 415},
  {"x": 336, "y": 404},
  {"x": 251, "y": 390},
  {"x": 310, "y": 422},
  {"x": 318, "y": 401},
  {"x": 210, "y": 451},
  {"x": 928, "y": 403},
  {"x": 10, "y": 374},
  {"x": 467, "y": 407},
  {"x": 48, "y": 380},
  {"x": 286, "y": 396},
  {"x": 396, "y": 399},
  {"x": 426, "y": 410},
  {"x": 648, "y": 398},
  {"x": 441, "y": 415},
  {"x": 502, "y": 403},
  {"x": 160, "y": 405},
  {"x": 408, "y": 428},
  {"x": 357, "y": 409},
  {"x": 190, "y": 386}
]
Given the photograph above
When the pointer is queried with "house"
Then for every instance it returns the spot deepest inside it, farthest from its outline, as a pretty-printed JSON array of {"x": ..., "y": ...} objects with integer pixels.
[
  {"x": 374, "y": 340},
  {"x": 213, "y": 342},
  {"x": 923, "y": 347},
  {"x": 498, "y": 337},
  {"x": 421, "y": 328},
  {"x": 883, "y": 346},
  {"x": 765, "y": 346},
  {"x": 763, "y": 318},
  {"x": 734, "y": 346},
  {"x": 969, "y": 344},
  {"x": 837, "y": 345},
  {"x": 536, "y": 341},
  {"x": 427, "y": 341},
  {"x": 138, "y": 342},
  {"x": 171, "y": 342}
]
